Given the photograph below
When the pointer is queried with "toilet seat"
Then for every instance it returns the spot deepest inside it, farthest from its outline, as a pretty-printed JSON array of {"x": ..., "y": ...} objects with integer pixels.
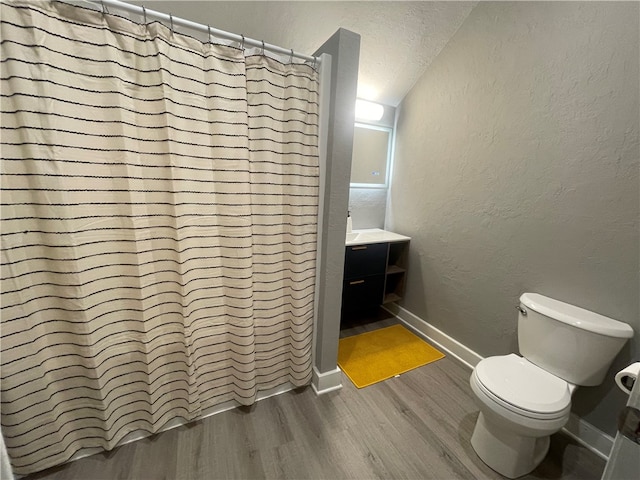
[{"x": 523, "y": 388}]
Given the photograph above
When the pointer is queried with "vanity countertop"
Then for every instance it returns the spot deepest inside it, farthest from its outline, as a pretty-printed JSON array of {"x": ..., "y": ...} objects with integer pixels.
[{"x": 373, "y": 235}]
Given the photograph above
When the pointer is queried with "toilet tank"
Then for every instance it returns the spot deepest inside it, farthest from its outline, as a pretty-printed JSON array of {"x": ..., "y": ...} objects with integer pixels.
[{"x": 568, "y": 341}]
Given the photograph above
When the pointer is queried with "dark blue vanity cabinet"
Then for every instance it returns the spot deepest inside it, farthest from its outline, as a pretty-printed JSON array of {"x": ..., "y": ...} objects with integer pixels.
[{"x": 374, "y": 274}]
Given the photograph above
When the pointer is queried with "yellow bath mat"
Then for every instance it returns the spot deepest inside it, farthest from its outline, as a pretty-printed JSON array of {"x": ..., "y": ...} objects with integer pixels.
[{"x": 375, "y": 356}]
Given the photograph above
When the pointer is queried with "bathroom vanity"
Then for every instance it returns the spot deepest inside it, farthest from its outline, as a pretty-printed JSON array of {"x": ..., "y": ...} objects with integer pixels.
[{"x": 374, "y": 269}]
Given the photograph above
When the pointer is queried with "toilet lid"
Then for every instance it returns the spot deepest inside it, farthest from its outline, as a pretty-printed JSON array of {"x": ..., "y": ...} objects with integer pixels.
[{"x": 524, "y": 385}]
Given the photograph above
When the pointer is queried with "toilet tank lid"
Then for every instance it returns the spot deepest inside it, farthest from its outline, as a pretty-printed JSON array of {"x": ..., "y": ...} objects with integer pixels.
[{"x": 576, "y": 316}]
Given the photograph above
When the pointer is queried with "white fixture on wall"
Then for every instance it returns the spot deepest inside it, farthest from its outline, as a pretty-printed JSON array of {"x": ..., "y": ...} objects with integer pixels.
[
  {"x": 371, "y": 156},
  {"x": 366, "y": 110}
]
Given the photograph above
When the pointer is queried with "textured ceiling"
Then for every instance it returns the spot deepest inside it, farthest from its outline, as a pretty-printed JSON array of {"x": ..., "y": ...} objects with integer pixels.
[{"x": 398, "y": 39}]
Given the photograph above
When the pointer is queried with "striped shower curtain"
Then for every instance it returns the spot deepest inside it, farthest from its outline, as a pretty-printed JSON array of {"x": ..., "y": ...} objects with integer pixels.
[{"x": 159, "y": 216}]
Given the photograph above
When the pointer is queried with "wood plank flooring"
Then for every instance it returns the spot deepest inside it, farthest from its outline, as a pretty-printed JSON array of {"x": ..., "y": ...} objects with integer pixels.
[{"x": 415, "y": 426}]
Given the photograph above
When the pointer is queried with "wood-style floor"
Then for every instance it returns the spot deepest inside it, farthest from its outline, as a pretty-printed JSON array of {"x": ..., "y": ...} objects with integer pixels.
[{"x": 415, "y": 426}]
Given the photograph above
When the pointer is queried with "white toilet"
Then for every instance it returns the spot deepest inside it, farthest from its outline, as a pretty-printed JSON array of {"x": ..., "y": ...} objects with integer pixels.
[{"x": 523, "y": 400}]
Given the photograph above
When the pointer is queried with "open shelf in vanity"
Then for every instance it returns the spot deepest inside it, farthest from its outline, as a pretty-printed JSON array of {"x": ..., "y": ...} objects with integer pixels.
[{"x": 397, "y": 259}]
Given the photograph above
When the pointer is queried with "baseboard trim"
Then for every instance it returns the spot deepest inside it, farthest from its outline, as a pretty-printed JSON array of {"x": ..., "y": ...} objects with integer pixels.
[
  {"x": 434, "y": 335},
  {"x": 578, "y": 429},
  {"x": 589, "y": 436},
  {"x": 326, "y": 382}
]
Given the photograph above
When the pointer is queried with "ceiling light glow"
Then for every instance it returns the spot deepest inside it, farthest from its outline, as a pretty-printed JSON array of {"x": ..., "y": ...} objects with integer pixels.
[{"x": 368, "y": 110}]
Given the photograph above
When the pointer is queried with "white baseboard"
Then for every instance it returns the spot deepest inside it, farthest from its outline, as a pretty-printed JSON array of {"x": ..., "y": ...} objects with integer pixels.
[
  {"x": 581, "y": 431},
  {"x": 441, "y": 340},
  {"x": 589, "y": 436},
  {"x": 326, "y": 382}
]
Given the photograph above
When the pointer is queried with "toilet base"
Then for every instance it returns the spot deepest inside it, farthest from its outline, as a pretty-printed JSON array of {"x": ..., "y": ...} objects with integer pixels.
[{"x": 507, "y": 453}]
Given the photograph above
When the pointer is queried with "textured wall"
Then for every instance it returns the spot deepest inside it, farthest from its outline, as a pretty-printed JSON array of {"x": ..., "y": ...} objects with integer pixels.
[
  {"x": 367, "y": 206},
  {"x": 516, "y": 170}
]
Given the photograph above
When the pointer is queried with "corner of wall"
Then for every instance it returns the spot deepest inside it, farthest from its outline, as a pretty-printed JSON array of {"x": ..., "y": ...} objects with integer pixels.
[
  {"x": 326, "y": 382},
  {"x": 344, "y": 48}
]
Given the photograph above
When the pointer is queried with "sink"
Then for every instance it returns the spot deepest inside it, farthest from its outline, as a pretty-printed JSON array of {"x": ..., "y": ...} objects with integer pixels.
[{"x": 373, "y": 235}]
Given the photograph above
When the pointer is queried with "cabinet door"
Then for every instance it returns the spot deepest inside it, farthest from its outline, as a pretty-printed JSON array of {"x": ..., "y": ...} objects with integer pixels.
[
  {"x": 362, "y": 292},
  {"x": 362, "y": 260}
]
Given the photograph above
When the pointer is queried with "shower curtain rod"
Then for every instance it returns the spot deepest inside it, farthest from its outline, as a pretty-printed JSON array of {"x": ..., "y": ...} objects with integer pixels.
[{"x": 171, "y": 20}]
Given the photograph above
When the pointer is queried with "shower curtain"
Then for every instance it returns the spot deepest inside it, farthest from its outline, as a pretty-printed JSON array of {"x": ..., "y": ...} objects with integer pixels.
[{"x": 159, "y": 216}]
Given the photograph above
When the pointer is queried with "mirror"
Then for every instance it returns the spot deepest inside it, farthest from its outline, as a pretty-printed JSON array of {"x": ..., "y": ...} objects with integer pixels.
[{"x": 371, "y": 153}]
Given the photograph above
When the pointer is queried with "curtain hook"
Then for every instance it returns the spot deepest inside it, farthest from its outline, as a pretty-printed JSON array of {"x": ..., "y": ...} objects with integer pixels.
[
  {"x": 171, "y": 20},
  {"x": 144, "y": 14},
  {"x": 314, "y": 63},
  {"x": 262, "y": 53},
  {"x": 242, "y": 44},
  {"x": 104, "y": 7},
  {"x": 209, "y": 30},
  {"x": 291, "y": 56}
]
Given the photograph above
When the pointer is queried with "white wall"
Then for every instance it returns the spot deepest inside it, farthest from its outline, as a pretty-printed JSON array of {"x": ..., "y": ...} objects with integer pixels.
[
  {"x": 368, "y": 207},
  {"x": 516, "y": 170}
]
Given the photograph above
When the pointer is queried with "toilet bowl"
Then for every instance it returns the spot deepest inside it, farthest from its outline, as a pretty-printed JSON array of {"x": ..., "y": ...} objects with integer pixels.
[
  {"x": 521, "y": 405},
  {"x": 525, "y": 399}
]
